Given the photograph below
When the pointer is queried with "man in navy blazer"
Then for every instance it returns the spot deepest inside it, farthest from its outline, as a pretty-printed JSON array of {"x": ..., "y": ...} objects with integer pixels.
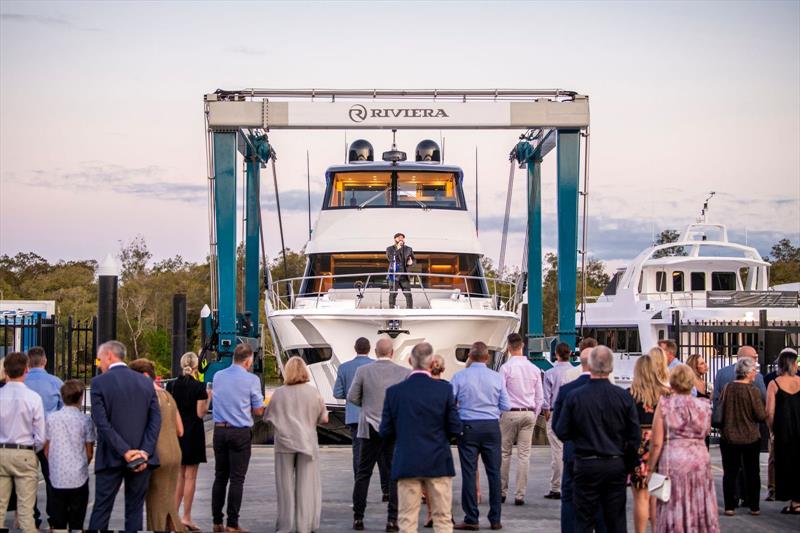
[
  {"x": 126, "y": 413},
  {"x": 421, "y": 414}
]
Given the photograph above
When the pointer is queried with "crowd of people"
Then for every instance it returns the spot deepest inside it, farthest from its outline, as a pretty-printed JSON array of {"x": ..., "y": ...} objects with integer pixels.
[{"x": 603, "y": 438}]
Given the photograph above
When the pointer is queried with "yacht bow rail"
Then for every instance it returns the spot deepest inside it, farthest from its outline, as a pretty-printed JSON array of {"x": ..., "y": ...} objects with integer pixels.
[
  {"x": 744, "y": 299},
  {"x": 374, "y": 287}
]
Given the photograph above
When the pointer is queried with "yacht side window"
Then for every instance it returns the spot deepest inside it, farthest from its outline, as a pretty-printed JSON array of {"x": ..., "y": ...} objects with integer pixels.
[
  {"x": 723, "y": 281},
  {"x": 677, "y": 282},
  {"x": 698, "y": 281},
  {"x": 661, "y": 282}
]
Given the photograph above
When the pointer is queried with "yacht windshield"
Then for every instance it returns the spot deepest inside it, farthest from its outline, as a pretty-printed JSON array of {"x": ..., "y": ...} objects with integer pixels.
[
  {"x": 402, "y": 188},
  {"x": 435, "y": 271}
]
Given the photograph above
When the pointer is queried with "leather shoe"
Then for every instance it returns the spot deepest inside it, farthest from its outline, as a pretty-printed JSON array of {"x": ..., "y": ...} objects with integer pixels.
[
  {"x": 497, "y": 525},
  {"x": 218, "y": 528},
  {"x": 519, "y": 501},
  {"x": 391, "y": 526},
  {"x": 385, "y": 498},
  {"x": 502, "y": 499},
  {"x": 358, "y": 525},
  {"x": 553, "y": 495},
  {"x": 237, "y": 529},
  {"x": 463, "y": 526}
]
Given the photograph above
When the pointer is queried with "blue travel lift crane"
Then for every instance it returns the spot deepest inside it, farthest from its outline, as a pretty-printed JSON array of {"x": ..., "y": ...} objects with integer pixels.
[{"x": 238, "y": 121}]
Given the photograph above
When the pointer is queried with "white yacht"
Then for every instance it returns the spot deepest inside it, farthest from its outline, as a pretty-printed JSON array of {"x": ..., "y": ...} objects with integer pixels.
[
  {"x": 702, "y": 278},
  {"x": 344, "y": 293}
]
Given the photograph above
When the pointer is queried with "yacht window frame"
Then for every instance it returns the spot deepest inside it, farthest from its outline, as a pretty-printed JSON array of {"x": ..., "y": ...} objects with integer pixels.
[
  {"x": 661, "y": 281},
  {"x": 728, "y": 275},
  {"x": 458, "y": 177},
  {"x": 678, "y": 275},
  {"x": 692, "y": 277}
]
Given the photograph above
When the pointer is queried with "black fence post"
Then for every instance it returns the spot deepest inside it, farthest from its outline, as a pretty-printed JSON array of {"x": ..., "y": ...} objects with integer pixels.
[
  {"x": 762, "y": 338},
  {"x": 178, "y": 332},
  {"x": 108, "y": 280},
  {"x": 47, "y": 340}
]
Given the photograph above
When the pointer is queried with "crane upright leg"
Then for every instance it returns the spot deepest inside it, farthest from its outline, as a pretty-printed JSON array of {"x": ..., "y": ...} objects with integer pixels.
[
  {"x": 225, "y": 216},
  {"x": 569, "y": 152}
]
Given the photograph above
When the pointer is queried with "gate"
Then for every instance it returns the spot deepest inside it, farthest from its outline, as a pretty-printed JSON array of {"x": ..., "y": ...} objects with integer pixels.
[
  {"x": 70, "y": 347},
  {"x": 718, "y": 341}
]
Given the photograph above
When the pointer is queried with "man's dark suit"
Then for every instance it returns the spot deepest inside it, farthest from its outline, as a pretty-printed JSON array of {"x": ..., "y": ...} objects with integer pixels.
[
  {"x": 401, "y": 280},
  {"x": 426, "y": 411},
  {"x": 567, "y": 506},
  {"x": 126, "y": 413}
]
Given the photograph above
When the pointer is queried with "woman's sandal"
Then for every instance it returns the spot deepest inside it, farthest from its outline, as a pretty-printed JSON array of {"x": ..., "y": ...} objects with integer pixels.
[
  {"x": 191, "y": 527},
  {"x": 789, "y": 509},
  {"x": 429, "y": 523}
]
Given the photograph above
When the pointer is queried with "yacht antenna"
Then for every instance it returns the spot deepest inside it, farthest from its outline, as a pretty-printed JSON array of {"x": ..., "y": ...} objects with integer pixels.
[
  {"x": 394, "y": 139},
  {"x": 308, "y": 190},
  {"x": 476, "y": 190},
  {"x": 704, "y": 212}
]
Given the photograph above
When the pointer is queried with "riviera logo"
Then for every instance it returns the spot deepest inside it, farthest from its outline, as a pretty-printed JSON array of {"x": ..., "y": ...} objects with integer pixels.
[{"x": 359, "y": 113}]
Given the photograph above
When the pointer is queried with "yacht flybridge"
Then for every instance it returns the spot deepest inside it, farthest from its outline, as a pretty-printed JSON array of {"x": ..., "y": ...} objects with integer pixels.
[
  {"x": 700, "y": 278},
  {"x": 344, "y": 293}
]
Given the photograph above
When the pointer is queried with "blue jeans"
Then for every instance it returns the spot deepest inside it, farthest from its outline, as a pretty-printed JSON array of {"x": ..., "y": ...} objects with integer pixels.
[{"x": 480, "y": 437}]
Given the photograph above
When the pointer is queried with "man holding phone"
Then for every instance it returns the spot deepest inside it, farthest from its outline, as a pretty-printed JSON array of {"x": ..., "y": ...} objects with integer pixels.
[
  {"x": 401, "y": 259},
  {"x": 126, "y": 413}
]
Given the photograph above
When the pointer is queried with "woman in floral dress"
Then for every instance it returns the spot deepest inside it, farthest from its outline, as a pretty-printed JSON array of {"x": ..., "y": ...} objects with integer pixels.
[
  {"x": 680, "y": 426},
  {"x": 646, "y": 390}
]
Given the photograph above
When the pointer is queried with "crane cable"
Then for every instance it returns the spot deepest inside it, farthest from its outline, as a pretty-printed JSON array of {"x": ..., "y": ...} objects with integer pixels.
[
  {"x": 504, "y": 238},
  {"x": 280, "y": 218}
]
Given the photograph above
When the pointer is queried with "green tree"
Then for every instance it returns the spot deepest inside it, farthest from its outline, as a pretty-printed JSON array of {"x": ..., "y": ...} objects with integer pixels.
[
  {"x": 785, "y": 260},
  {"x": 596, "y": 280},
  {"x": 665, "y": 237}
]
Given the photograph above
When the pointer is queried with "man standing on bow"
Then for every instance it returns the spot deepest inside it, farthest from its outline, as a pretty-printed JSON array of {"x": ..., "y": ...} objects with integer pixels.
[{"x": 401, "y": 259}]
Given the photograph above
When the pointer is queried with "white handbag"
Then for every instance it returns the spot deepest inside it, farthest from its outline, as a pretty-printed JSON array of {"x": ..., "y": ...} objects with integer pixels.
[{"x": 660, "y": 485}]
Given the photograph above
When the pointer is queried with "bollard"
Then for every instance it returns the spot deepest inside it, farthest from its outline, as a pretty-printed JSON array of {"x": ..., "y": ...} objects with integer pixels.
[{"x": 107, "y": 283}]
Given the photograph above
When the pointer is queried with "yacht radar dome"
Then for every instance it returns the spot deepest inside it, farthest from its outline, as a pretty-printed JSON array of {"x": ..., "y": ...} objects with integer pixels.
[
  {"x": 428, "y": 152},
  {"x": 360, "y": 150}
]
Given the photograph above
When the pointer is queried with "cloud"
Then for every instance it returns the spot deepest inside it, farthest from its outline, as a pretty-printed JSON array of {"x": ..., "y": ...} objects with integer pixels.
[
  {"x": 151, "y": 182},
  {"x": 26, "y": 18},
  {"x": 246, "y": 50}
]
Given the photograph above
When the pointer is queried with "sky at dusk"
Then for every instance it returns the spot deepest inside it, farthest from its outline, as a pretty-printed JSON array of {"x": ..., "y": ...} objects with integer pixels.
[{"x": 101, "y": 112}]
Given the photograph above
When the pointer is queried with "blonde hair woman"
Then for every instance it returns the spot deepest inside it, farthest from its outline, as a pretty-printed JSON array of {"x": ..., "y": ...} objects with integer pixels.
[
  {"x": 646, "y": 389},
  {"x": 192, "y": 400},
  {"x": 294, "y": 412},
  {"x": 700, "y": 368},
  {"x": 659, "y": 359}
]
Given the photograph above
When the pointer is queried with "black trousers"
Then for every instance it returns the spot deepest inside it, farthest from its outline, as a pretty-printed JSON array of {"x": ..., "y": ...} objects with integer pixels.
[
  {"x": 383, "y": 470},
  {"x": 746, "y": 458},
  {"x": 231, "y": 459},
  {"x": 372, "y": 449},
  {"x": 402, "y": 283},
  {"x": 480, "y": 437},
  {"x": 106, "y": 485},
  {"x": 599, "y": 482},
  {"x": 68, "y": 510}
]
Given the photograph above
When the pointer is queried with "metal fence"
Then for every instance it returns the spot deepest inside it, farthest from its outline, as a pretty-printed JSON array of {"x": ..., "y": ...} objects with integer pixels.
[{"x": 71, "y": 348}]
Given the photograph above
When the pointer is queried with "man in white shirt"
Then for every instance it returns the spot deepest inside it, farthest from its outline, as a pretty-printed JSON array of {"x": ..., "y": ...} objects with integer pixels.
[
  {"x": 22, "y": 434},
  {"x": 523, "y": 382},
  {"x": 670, "y": 348},
  {"x": 552, "y": 384}
]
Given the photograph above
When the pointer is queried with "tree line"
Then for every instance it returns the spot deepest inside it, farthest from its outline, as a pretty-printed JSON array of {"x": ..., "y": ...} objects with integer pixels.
[{"x": 144, "y": 320}]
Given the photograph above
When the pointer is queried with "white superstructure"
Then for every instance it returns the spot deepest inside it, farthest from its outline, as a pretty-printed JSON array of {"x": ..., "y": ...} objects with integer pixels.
[
  {"x": 344, "y": 293},
  {"x": 702, "y": 276}
]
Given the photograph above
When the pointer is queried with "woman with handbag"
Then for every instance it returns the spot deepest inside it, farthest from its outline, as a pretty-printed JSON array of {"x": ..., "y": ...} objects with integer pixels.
[
  {"x": 741, "y": 409},
  {"x": 646, "y": 389},
  {"x": 684, "y": 485}
]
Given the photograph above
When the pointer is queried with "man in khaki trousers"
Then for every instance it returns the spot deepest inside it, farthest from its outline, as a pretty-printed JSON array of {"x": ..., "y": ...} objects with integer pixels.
[
  {"x": 421, "y": 414},
  {"x": 22, "y": 434},
  {"x": 523, "y": 383}
]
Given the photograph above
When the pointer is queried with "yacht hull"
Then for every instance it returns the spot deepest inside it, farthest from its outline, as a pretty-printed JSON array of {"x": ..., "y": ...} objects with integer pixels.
[{"x": 447, "y": 331}]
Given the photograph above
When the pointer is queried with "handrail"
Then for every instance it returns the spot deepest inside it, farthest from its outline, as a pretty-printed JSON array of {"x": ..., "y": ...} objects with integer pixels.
[{"x": 499, "y": 300}]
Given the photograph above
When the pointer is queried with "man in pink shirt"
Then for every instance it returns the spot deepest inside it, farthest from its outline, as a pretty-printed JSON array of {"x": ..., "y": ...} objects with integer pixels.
[{"x": 524, "y": 386}]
